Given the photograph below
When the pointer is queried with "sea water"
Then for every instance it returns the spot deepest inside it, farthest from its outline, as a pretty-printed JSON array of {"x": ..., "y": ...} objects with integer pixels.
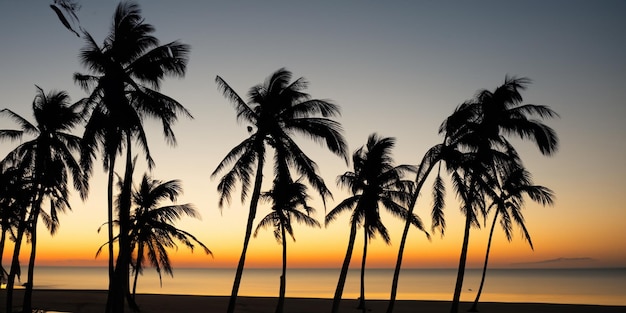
[{"x": 574, "y": 286}]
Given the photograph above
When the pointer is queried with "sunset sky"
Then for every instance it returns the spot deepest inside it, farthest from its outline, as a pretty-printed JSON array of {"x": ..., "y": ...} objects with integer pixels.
[{"x": 398, "y": 68}]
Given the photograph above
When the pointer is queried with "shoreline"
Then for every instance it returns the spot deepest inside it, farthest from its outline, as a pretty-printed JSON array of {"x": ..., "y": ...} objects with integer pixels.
[{"x": 88, "y": 301}]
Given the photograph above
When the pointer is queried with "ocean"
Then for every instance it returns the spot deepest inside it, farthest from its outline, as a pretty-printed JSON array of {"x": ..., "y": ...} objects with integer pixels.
[{"x": 573, "y": 286}]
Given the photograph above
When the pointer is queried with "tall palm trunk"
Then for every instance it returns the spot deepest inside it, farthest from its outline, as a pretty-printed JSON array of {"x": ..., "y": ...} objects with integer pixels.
[
  {"x": 283, "y": 276},
  {"x": 122, "y": 268},
  {"x": 251, "y": 215},
  {"x": 474, "y": 307},
  {"x": 28, "y": 292},
  {"x": 462, "y": 261},
  {"x": 405, "y": 234},
  {"x": 111, "y": 175},
  {"x": 344, "y": 269},
  {"x": 362, "y": 290}
]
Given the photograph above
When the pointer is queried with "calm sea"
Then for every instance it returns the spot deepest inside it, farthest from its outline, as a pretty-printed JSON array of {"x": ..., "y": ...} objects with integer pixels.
[{"x": 575, "y": 286}]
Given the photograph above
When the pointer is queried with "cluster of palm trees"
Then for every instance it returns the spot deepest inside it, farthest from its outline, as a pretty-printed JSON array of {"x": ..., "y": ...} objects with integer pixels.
[
  {"x": 484, "y": 168},
  {"x": 123, "y": 79}
]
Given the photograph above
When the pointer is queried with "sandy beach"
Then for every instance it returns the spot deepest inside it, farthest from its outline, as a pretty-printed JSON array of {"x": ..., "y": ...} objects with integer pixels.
[{"x": 93, "y": 301}]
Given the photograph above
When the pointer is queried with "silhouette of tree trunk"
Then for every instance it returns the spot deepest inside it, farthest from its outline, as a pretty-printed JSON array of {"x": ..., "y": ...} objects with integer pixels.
[
  {"x": 362, "y": 289},
  {"x": 428, "y": 161},
  {"x": 251, "y": 215},
  {"x": 111, "y": 176},
  {"x": 344, "y": 269},
  {"x": 28, "y": 291},
  {"x": 462, "y": 261},
  {"x": 474, "y": 307},
  {"x": 283, "y": 276}
]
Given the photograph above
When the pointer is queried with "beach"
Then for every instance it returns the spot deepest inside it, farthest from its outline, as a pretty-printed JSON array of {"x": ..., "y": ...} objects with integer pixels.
[{"x": 93, "y": 301}]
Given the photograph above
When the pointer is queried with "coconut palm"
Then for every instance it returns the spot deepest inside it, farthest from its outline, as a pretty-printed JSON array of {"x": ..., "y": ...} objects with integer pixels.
[
  {"x": 45, "y": 161},
  {"x": 13, "y": 200},
  {"x": 480, "y": 127},
  {"x": 375, "y": 183},
  {"x": 153, "y": 231},
  {"x": 124, "y": 79},
  {"x": 276, "y": 110},
  {"x": 508, "y": 200},
  {"x": 286, "y": 197}
]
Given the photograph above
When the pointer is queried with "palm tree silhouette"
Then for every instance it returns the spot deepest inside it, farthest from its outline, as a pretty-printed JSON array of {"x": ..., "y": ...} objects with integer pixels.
[
  {"x": 511, "y": 184},
  {"x": 45, "y": 161},
  {"x": 152, "y": 230},
  {"x": 14, "y": 198},
  {"x": 277, "y": 109},
  {"x": 286, "y": 197},
  {"x": 478, "y": 127},
  {"x": 374, "y": 183},
  {"x": 126, "y": 73}
]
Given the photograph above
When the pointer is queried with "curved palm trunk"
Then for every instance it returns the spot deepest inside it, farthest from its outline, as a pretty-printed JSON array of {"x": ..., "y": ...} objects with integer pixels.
[
  {"x": 362, "y": 298},
  {"x": 462, "y": 261},
  {"x": 28, "y": 292},
  {"x": 344, "y": 269},
  {"x": 139, "y": 260},
  {"x": 474, "y": 307},
  {"x": 405, "y": 234},
  {"x": 283, "y": 276},
  {"x": 251, "y": 215},
  {"x": 110, "y": 294}
]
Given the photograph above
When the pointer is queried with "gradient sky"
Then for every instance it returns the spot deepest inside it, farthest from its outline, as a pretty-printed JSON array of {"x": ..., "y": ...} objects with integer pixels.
[{"x": 396, "y": 68}]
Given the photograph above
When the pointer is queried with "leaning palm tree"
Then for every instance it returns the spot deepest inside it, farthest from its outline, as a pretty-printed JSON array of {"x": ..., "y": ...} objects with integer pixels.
[
  {"x": 124, "y": 79},
  {"x": 375, "y": 183},
  {"x": 508, "y": 200},
  {"x": 44, "y": 161},
  {"x": 286, "y": 197},
  {"x": 276, "y": 110},
  {"x": 480, "y": 127}
]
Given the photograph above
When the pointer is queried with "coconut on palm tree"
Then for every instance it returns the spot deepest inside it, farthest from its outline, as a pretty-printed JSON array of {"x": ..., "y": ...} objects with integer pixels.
[
  {"x": 480, "y": 127},
  {"x": 47, "y": 161},
  {"x": 125, "y": 75},
  {"x": 276, "y": 111},
  {"x": 376, "y": 184},
  {"x": 287, "y": 197}
]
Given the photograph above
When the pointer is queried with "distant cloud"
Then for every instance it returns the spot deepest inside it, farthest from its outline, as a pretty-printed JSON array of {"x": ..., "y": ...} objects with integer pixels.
[{"x": 558, "y": 261}]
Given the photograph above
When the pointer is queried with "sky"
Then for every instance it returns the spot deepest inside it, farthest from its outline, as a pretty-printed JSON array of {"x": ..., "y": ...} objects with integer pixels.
[{"x": 397, "y": 68}]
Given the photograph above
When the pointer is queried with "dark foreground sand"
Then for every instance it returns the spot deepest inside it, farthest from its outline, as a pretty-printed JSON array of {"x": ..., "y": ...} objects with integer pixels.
[{"x": 88, "y": 301}]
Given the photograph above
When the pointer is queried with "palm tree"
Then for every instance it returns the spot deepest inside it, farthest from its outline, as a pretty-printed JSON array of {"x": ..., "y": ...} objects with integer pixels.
[
  {"x": 374, "y": 183},
  {"x": 508, "y": 201},
  {"x": 13, "y": 200},
  {"x": 479, "y": 126},
  {"x": 45, "y": 160},
  {"x": 153, "y": 231},
  {"x": 277, "y": 109},
  {"x": 126, "y": 73},
  {"x": 286, "y": 197}
]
